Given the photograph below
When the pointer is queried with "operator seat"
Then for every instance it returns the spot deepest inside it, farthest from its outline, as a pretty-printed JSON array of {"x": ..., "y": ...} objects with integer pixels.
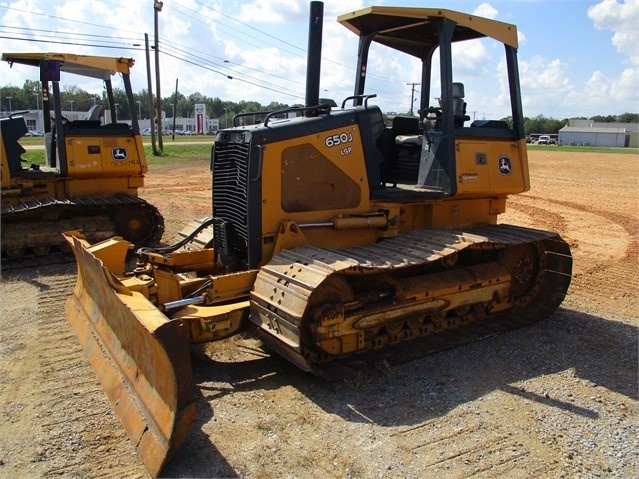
[
  {"x": 94, "y": 113},
  {"x": 395, "y": 145},
  {"x": 459, "y": 105},
  {"x": 12, "y": 130}
]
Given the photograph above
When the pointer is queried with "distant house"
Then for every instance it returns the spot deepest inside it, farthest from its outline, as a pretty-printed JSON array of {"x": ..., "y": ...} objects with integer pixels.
[
  {"x": 580, "y": 136},
  {"x": 591, "y": 133}
]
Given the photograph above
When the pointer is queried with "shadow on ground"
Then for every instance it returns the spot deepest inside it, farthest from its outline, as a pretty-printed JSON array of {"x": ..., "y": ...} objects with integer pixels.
[{"x": 597, "y": 350}]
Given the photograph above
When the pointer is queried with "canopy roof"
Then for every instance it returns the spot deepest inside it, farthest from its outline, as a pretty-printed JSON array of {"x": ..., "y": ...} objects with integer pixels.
[
  {"x": 84, "y": 65},
  {"x": 413, "y": 30}
]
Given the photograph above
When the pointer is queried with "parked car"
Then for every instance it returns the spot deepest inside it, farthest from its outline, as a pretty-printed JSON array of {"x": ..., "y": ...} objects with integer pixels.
[{"x": 543, "y": 140}]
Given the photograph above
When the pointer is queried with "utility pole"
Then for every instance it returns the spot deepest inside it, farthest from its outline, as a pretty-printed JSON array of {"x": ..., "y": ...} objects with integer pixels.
[
  {"x": 157, "y": 7},
  {"x": 412, "y": 95},
  {"x": 174, "y": 107},
  {"x": 148, "y": 77}
]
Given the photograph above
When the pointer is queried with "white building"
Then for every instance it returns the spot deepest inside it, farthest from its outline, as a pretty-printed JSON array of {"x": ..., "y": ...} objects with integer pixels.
[
  {"x": 34, "y": 121},
  {"x": 589, "y": 136}
]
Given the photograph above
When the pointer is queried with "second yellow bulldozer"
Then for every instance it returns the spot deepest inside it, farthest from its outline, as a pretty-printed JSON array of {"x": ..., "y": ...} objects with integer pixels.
[
  {"x": 333, "y": 235},
  {"x": 94, "y": 165}
]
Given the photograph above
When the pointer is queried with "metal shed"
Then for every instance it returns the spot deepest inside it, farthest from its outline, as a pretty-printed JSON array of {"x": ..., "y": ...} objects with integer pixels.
[{"x": 577, "y": 136}]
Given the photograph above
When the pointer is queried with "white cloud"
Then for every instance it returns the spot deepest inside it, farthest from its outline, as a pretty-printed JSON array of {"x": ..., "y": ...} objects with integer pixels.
[
  {"x": 470, "y": 59},
  {"x": 545, "y": 85},
  {"x": 602, "y": 92},
  {"x": 486, "y": 10},
  {"x": 521, "y": 38},
  {"x": 623, "y": 20},
  {"x": 271, "y": 11}
]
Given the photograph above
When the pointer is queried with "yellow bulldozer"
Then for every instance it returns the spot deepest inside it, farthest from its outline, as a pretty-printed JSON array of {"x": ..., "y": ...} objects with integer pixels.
[
  {"x": 333, "y": 235},
  {"x": 94, "y": 165}
]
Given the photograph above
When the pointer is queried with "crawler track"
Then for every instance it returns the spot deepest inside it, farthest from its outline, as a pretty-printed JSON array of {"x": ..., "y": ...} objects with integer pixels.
[
  {"x": 34, "y": 228},
  {"x": 30, "y": 260},
  {"x": 417, "y": 333}
]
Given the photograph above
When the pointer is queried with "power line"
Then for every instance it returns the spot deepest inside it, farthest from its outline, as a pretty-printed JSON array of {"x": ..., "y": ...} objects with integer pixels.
[
  {"x": 32, "y": 13},
  {"x": 59, "y": 42},
  {"x": 186, "y": 54},
  {"x": 228, "y": 30},
  {"x": 301, "y": 52}
]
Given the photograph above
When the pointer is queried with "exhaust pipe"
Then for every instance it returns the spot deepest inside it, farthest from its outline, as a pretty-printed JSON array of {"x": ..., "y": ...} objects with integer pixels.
[{"x": 314, "y": 58}]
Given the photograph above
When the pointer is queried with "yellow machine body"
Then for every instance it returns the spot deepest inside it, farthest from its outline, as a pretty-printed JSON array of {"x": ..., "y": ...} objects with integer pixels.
[{"x": 93, "y": 169}]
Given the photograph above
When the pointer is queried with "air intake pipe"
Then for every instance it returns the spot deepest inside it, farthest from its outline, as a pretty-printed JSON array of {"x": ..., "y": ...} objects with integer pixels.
[{"x": 314, "y": 58}]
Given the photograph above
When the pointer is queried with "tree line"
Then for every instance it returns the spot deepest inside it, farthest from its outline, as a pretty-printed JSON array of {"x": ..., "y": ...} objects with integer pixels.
[
  {"x": 73, "y": 98},
  {"x": 542, "y": 124}
]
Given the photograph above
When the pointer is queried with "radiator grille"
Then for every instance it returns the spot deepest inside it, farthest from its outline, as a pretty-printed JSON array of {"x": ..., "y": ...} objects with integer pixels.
[{"x": 230, "y": 199}]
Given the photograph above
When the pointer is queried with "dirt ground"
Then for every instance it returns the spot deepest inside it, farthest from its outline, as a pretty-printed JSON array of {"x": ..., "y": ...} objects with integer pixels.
[{"x": 556, "y": 399}]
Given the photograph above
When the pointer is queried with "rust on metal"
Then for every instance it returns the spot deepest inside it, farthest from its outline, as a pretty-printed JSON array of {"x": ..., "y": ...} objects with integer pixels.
[{"x": 140, "y": 357}]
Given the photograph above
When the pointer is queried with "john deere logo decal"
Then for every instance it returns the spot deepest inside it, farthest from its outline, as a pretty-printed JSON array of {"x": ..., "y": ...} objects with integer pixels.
[
  {"x": 119, "y": 153},
  {"x": 505, "y": 165}
]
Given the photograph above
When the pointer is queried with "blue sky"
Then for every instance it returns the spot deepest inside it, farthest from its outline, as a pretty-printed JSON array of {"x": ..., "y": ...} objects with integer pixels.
[{"x": 576, "y": 57}]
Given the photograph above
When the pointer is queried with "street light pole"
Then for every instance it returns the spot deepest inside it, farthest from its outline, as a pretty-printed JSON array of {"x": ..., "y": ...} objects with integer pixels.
[
  {"x": 10, "y": 98},
  {"x": 37, "y": 97},
  {"x": 226, "y": 118},
  {"x": 173, "y": 117},
  {"x": 139, "y": 109}
]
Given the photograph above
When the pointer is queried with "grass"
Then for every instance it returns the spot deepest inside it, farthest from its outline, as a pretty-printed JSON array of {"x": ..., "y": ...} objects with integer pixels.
[
  {"x": 199, "y": 147},
  {"x": 39, "y": 140},
  {"x": 584, "y": 149},
  {"x": 182, "y": 151},
  {"x": 33, "y": 157},
  {"x": 183, "y": 148}
]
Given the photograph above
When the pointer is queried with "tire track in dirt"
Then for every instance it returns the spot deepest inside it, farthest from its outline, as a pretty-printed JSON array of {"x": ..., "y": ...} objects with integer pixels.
[
  {"x": 69, "y": 418},
  {"x": 612, "y": 254},
  {"x": 467, "y": 442}
]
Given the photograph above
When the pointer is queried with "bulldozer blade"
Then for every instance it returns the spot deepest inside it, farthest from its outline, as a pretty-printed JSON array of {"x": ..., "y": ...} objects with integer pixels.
[{"x": 140, "y": 357}]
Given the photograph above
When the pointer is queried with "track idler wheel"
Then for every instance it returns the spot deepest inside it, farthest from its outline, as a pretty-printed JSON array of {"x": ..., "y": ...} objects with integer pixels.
[
  {"x": 139, "y": 224},
  {"x": 41, "y": 250},
  {"x": 524, "y": 262},
  {"x": 15, "y": 253}
]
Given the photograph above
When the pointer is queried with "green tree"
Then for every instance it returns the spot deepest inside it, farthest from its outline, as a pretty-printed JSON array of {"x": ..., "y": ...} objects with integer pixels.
[
  {"x": 12, "y": 99},
  {"x": 604, "y": 118},
  {"x": 542, "y": 124},
  {"x": 121, "y": 105},
  {"x": 628, "y": 118},
  {"x": 274, "y": 106},
  {"x": 142, "y": 108}
]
